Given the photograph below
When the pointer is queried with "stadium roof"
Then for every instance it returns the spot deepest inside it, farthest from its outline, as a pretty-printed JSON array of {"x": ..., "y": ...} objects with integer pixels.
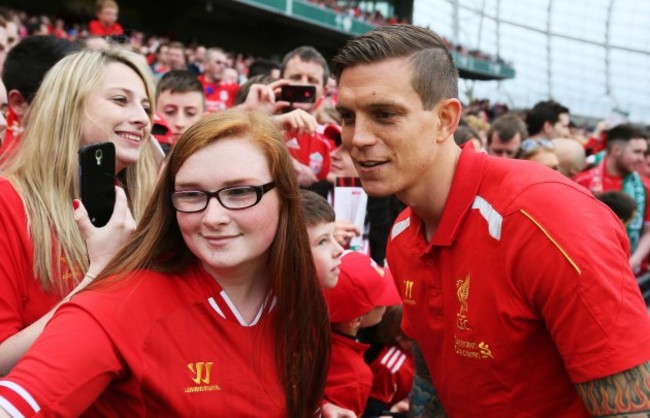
[{"x": 590, "y": 55}]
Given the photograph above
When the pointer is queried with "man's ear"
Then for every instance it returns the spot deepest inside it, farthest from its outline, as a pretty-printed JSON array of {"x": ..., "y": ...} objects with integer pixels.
[
  {"x": 449, "y": 112},
  {"x": 17, "y": 103},
  {"x": 616, "y": 148},
  {"x": 355, "y": 323},
  {"x": 548, "y": 129}
]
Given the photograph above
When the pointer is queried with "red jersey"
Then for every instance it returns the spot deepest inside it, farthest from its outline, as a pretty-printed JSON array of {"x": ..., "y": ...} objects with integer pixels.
[
  {"x": 312, "y": 151},
  {"x": 508, "y": 302},
  {"x": 95, "y": 27},
  {"x": 22, "y": 299},
  {"x": 153, "y": 345},
  {"x": 349, "y": 378},
  {"x": 218, "y": 96},
  {"x": 392, "y": 372}
]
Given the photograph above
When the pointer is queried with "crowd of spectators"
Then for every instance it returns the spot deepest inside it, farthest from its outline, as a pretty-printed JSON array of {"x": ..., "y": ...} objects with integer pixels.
[
  {"x": 196, "y": 80},
  {"x": 375, "y": 17}
]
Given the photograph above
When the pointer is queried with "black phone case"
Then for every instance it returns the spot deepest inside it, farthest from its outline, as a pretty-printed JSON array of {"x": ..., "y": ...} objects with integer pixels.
[
  {"x": 97, "y": 181},
  {"x": 298, "y": 94}
]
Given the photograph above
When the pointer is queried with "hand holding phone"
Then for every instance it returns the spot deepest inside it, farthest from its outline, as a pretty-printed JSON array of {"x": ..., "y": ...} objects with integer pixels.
[
  {"x": 298, "y": 93},
  {"x": 97, "y": 181}
]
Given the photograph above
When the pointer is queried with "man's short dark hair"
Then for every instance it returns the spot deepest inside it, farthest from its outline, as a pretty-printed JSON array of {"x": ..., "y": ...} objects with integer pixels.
[
  {"x": 307, "y": 54},
  {"x": 179, "y": 81},
  {"x": 262, "y": 66},
  {"x": 623, "y": 133},
  {"x": 620, "y": 203},
  {"x": 542, "y": 112},
  {"x": 508, "y": 126},
  {"x": 434, "y": 76},
  {"x": 465, "y": 133},
  {"x": 28, "y": 62},
  {"x": 315, "y": 208}
]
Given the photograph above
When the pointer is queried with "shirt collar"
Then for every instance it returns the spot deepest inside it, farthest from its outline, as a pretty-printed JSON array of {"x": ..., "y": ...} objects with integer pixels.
[{"x": 464, "y": 188}]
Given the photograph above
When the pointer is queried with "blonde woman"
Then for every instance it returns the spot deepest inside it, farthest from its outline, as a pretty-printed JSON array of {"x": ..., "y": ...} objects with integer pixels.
[{"x": 49, "y": 250}]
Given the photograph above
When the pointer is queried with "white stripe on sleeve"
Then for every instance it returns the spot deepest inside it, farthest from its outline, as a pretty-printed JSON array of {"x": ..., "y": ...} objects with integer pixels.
[{"x": 22, "y": 393}]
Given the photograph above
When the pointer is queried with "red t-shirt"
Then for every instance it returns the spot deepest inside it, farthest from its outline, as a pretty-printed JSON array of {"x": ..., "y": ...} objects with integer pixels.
[
  {"x": 349, "y": 378},
  {"x": 154, "y": 345},
  {"x": 218, "y": 96},
  {"x": 523, "y": 291},
  {"x": 312, "y": 151},
  {"x": 22, "y": 299},
  {"x": 95, "y": 27},
  {"x": 392, "y": 372}
]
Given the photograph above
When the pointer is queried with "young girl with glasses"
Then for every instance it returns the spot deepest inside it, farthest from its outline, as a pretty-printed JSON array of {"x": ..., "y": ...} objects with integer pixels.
[{"x": 212, "y": 309}]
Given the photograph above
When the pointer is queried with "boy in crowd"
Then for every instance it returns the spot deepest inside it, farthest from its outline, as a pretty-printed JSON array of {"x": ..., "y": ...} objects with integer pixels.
[
  {"x": 326, "y": 251},
  {"x": 180, "y": 102},
  {"x": 359, "y": 300},
  {"x": 24, "y": 69},
  {"x": 620, "y": 203},
  {"x": 106, "y": 22}
]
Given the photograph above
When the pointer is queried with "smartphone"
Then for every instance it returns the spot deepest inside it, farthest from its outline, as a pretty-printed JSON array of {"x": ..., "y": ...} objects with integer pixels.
[
  {"x": 97, "y": 181},
  {"x": 298, "y": 94}
]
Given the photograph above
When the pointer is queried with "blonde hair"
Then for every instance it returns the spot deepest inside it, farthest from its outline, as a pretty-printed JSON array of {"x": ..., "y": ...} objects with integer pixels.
[
  {"x": 104, "y": 4},
  {"x": 45, "y": 166}
]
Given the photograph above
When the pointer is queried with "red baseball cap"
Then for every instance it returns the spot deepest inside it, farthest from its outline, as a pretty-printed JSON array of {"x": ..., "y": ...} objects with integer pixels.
[
  {"x": 333, "y": 133},
  {"x": 362, "y": 286},
  {"x": 161, "y": 130}
]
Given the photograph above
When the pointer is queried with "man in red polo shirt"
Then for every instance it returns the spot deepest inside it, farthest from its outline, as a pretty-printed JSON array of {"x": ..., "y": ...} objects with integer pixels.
[{"x": 515, "y": 281}]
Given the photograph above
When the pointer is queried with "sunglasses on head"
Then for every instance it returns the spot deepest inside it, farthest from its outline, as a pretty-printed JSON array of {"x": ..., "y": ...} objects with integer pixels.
[{"x": 531, "y": 146}]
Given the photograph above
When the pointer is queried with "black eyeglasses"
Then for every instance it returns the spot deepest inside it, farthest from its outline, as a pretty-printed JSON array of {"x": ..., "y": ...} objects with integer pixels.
[
  {"x": 234, "y": 198},
  {"x": 529, "y": 146}
]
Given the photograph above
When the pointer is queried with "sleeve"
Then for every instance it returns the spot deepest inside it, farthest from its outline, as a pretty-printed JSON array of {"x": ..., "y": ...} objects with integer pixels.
[
  {"x": 383, "y": 383},
  {"x": 567, "y": 257},
  {"x": 15, "y": 262},
  {"x": 65, "y": 371}
]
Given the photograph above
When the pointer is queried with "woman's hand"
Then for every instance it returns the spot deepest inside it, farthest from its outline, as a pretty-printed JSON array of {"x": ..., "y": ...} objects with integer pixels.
[{"x": 103, "y": 243}]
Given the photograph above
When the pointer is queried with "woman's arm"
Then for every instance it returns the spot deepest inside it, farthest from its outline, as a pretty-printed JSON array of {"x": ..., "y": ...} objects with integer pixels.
[{"x": 102, "y": 244}]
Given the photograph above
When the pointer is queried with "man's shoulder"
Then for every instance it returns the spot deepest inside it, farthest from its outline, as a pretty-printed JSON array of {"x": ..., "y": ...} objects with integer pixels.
[{"x": 509, "y": 184}]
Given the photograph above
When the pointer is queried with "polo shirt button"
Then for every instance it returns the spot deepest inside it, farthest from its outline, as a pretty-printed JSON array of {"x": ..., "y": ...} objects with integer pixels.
[
  {"x": 430, "y": 262},
  {"x": 435, "y": 291}
]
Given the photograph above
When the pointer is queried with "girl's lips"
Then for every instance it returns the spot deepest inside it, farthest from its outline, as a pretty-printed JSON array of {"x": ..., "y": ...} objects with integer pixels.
[{"x": 219, "y": 239}]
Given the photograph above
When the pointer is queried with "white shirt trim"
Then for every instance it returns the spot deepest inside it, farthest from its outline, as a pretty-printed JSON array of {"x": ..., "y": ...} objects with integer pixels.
[
  {"x": 399, "y": 363},
  {"x": 22, "y": 393},
  {"x": 493, "y": 218},
  {"x": 400, "y": 227},
  {"x": 216, "y": 307},
  {"x": 10, "y": 409},
  {"x": 388, "y": 355},
  {"x": 238, "y": 315}
]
